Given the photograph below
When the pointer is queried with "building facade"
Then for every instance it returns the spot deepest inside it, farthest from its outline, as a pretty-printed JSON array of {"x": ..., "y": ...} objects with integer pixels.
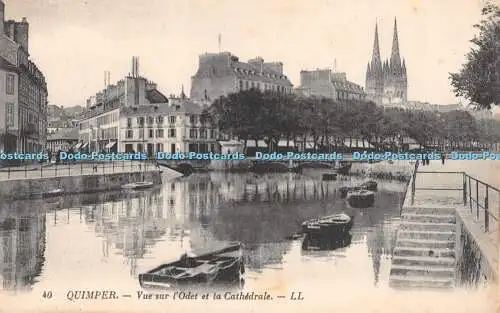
[
  {"x": 220, "y": 74},
  {"x": 328, "y": 84},
  {"x": 63, "y": 140},
  {"x": 177, "y": 126},
  {"x": 387, "y": 82},
  {"x": 99, "y": 125},
  {"x": 23, "y": 90}
]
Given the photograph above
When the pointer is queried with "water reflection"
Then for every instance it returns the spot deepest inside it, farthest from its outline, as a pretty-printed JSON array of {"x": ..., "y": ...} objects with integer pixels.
[
  {"x": 22, "y": 248},
  {"x": 196, "y": 214}
]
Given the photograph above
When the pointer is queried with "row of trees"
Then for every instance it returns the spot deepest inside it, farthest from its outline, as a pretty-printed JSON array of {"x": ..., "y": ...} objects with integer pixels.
[{"x": 253, "y": 115}]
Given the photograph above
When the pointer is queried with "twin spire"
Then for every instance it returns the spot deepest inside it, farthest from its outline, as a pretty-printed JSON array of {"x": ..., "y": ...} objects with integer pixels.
[{"x": 395, "y": 64}]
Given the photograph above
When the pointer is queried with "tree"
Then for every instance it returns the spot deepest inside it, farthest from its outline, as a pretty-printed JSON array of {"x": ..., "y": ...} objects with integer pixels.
[{"x": 479, "y": 78}]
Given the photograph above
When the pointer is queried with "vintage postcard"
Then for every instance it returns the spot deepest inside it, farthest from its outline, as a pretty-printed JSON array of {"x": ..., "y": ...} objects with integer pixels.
[{"x": 249, "y": 156}]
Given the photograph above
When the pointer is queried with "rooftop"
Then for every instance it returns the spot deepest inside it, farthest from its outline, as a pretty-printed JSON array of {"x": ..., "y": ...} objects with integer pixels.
[{"x": 185, "y": 106}]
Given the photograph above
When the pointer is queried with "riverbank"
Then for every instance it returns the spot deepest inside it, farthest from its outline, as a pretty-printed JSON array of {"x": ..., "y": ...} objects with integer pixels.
[
  {"x": 35, "y": 187},
  {"x": 391, "y": 170}
]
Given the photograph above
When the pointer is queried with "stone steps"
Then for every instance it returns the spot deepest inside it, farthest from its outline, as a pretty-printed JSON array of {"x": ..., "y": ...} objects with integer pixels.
[
  {"x": 429, "y": 218},
  {"x": 423, "y": 251},
  {"x": 409, "y": 282},
  {"x": 423, "y": 261},
  {"x": 436, "y": 227},
  {"x": 426, "y": 235},
  {"x": 423, "y": 271},
  {"x": 423, "y": 243},
  {"x": 424, "y": 256},
  {"x": 429, "y": 210}
]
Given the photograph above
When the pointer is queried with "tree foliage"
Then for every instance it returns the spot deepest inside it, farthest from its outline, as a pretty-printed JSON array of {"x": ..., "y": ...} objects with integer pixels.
[
  {"x": 479, "y": 78},
  {"x": 270, "y": 116}
]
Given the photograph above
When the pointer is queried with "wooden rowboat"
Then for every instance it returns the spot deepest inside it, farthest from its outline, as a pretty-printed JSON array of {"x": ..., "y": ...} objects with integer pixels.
[
  {"x": 53, "y": 193},
  {"x": 224, "y": 266},
  {"x": 361, "y": 198},
  {"x": 329, "y": 176},
  {"x": 369, "y": 185},
  {"x": 138, "y": 185},
  {"x": 328, "y": 225}
]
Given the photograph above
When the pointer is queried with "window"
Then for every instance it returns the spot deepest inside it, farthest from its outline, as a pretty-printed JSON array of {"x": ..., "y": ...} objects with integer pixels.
[
  {"x": 159, "y": 147},
  {"x": 10, "y": 114},
  {"x": 129, "y": 122},
  {"x": 172, "y": 148},
  {"x": 193, "y": 133},
  {"x": 140, "y": 148},
  {"x": 159, "y": 133},
  {"x": 203, "y": 134},
  {"x": 246, "y": 85},
  {"x": 213, "y": 134},
  {"x": 151, "y": 120},
  {"x": 11, "y": 79},
  {"x": 141, "y": 134},
  {"x": 171, "y": 133},
  {"x": 140, "y": 121},
  {"x": 241, "y": 85},
  {"x": 151, "y": 133},
  {"x": 171, "y": 119},
  {"x": 192, "y": 119},
  {"x": 159, "y": 120}
]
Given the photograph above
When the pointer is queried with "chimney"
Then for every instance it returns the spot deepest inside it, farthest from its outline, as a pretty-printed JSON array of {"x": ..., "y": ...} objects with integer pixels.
[
  {"x": 2, "y": 17},
  {"x": 21, "y": 33}
]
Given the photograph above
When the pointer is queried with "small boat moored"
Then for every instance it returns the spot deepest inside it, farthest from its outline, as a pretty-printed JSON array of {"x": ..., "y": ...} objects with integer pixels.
[
  {"x": 361, "y": 198},
  {"x": 329, "y": 176},
  {"x": 346, "y": 189},
  {"x": 138, "y": 185},
  {"x": 344, "y": 169},
  {"x": 369, "y": 185},
  {"x": 224, "y": 266},
  {"x": 328, "y": 225},
  {"x": 53, "y": 193}
]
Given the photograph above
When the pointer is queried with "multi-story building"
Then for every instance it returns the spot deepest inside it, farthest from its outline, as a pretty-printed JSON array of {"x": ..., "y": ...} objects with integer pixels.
[
  {"x": 328, "y": 84},
  {"x": 99, "y": 124},
  {"x": 387, "y": 82},
  {"x": 220, "y": 74},
  {"x": 23, "y": 90},
  {"x": 177, "y": 126},
  {"x": 63, "y": 140}
]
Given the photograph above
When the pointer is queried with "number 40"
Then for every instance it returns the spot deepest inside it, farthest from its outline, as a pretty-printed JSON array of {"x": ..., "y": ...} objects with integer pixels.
[{"x": 47, "y": 294}]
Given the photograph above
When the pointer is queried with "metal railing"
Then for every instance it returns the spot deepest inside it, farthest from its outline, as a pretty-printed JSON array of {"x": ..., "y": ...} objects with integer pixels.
[
  {"x": 34, "y": 171},
  {"x": 480, "y": 199}
]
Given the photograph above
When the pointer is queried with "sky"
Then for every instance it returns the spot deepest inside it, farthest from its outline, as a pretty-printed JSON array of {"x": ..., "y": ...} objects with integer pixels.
[{"x": 74, "y": 41}]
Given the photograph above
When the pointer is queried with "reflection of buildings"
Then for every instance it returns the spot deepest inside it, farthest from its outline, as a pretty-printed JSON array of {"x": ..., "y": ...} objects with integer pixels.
[
  {"x": 22, "y": 248},
  {"x": 130, "y": 225}
]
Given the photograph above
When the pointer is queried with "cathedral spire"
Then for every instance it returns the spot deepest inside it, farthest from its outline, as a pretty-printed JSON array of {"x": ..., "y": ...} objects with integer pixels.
[
  {"x": 376, "y": 61},
  {"x": 395, "y": 58}
]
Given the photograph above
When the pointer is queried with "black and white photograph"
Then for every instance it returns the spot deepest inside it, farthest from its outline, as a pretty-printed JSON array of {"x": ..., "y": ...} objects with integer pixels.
[{"x": 249, "y": 156}]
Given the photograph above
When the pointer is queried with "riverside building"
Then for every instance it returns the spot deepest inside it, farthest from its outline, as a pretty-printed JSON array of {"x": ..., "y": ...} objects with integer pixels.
[
  {"x": 23, "y": 90},
  {"x": 220, "y": 74},
  {"x": 328, "y": 84}
]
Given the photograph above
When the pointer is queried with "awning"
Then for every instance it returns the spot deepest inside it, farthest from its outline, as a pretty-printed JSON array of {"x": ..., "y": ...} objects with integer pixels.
[
  {"x": 85, "y": 145},
  {"x": 78, "y": 145},
  {"x": 110, "y": 144},
  {"x": 283, "y": 143}
]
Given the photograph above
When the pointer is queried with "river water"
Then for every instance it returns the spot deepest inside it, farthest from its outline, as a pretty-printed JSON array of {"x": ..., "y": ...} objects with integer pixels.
[
  {"x": 108, "y": 239},
  {"x": 104, "y": 240}
]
